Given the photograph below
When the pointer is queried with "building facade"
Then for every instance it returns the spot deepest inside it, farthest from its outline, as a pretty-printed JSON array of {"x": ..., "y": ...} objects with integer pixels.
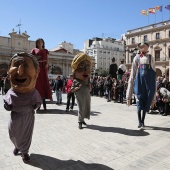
[
  {"x": 158, "y": 37},
  {"x": 102, "y": 50},
  {"x": 59, "y": 58}
]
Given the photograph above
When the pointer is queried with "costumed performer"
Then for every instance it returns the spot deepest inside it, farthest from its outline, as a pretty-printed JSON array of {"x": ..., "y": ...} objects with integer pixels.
[
  {"x": 42, "y": 84},
  {"x": 81, "y": 68},
  {"x": 142, "y": 81},
  {"x": 22, "y": 99}
]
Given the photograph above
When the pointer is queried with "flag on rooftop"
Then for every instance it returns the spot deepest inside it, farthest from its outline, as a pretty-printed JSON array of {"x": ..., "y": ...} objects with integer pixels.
[
  {"x": 144, "y": 12},
  {"x": 158, "y": 8},
  {"x": 151, "y": 10}
]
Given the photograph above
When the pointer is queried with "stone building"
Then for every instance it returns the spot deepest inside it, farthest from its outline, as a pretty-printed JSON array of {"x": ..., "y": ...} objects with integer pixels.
[
  {"x": 102, "y": 50},
  {"x": 59, "y": 58},
  {"x": 158, "y": 37}
]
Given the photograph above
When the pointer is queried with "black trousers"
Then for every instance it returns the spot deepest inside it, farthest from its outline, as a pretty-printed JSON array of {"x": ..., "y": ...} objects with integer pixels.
[
  {"x": 69, "y": 97},
  {"x": 141, "y": 119}
]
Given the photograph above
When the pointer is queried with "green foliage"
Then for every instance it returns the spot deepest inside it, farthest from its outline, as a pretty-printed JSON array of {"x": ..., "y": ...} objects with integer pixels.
[{"x": 101, "y": 72}]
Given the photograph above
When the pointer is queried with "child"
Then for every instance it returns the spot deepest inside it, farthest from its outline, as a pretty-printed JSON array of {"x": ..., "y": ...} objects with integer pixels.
[
  {"x": 143, "y": 75},
  {"x": 22, "y": 99},
  {"x": 81, "y": 68}
]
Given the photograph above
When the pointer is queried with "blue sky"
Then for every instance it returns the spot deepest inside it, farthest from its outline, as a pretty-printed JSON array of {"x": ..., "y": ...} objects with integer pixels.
[{"x": 76, "y": 20}]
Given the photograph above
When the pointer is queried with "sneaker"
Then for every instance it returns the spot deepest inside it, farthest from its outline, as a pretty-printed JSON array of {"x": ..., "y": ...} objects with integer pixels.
[
  {"x": 67, "y": 110},
  {"x": 15, "y": 151},
  {"x": 26, "y": 158},
  {"x": 71, "y": 109}
]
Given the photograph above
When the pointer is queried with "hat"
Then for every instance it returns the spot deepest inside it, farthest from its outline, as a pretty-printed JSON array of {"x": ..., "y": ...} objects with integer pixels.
[
  {"x": 78, "y": 59},
  {"x": 143, "y": 44}
]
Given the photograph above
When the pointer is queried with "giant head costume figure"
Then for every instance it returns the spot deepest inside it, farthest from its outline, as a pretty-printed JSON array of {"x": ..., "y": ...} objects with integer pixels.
[
  {"x": 81, "y": 66},
  {"x": 23, "y": 72},
  {"x": 143, "y": 48}
]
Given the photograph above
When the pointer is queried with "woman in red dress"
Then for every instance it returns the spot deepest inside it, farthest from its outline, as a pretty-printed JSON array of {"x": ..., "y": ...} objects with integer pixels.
[{"x": 42, "y": 84}]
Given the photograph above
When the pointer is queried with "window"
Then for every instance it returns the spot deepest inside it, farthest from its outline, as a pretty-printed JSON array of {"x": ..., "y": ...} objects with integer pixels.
[
  {"x": 133, "y": 40},
  {"x": 145, "y": 38},
  {"x": 169, "y": 33},
  {"x": 157, "y": 35},
  {"x": 157, "y": 55}
]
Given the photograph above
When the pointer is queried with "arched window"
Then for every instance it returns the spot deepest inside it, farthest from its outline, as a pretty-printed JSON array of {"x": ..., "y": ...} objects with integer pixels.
[{"x": 57, "y": 70}]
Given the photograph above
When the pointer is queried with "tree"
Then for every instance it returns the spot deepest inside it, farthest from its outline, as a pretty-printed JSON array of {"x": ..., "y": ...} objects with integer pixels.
[{"x": 101, "y": 72}]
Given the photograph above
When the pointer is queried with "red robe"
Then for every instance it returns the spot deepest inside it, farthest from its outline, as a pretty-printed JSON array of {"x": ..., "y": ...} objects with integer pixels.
[{"x": 42, "y": 84}]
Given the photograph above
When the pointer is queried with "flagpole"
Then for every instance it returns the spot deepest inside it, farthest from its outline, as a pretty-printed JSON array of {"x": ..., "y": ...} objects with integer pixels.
[
  {"x": 155, "y": 17},
  {"x": 162, "y": 13},
  {"x": 169, "y": 13}
]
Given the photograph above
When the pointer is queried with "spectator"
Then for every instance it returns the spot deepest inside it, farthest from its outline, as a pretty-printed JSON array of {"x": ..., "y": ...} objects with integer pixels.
[
  {"x": 7, "y": 84},
  {"x": 70, "y": 95},
  {"x": 165, "y": 94},
  {"x": 108, "y": 85},
  {"x": 58, "y": 87},
  {"x": 120, "y": 90}
]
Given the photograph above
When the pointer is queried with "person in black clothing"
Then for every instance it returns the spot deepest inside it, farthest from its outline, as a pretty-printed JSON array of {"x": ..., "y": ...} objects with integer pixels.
[
  {"x": 108, "y": 86},
  {"x": 7, "y": 84},
  {"x": 58, "y": 89},
  {"x": 120, "y": 90},
  {"x": 100, "y": 85},
  {"x": 113, "y": 69}
]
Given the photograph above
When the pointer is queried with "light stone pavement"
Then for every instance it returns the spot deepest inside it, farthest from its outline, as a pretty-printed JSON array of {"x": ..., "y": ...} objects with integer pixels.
[{"x": 111, "y": 140}]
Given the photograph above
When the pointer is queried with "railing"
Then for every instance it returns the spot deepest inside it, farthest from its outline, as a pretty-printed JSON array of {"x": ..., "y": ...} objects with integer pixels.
[{"x": 149, "y": 27}]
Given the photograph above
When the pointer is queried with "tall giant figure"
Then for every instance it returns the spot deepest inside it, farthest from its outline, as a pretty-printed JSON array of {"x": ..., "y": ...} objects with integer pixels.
[
  {"x": 42, "y": 84},
  {"x": 143, "y": 82}
]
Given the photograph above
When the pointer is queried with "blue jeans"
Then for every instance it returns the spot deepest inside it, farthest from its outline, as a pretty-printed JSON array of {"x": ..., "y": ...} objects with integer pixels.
[{"x": 59, "y": 96}]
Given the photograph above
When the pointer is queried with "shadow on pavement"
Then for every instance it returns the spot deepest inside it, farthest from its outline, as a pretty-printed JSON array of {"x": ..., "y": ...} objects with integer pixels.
[
  {"x": 47, "y": 163},
  {"x": 156, "y": 128},
  {"x": 123, "y": 131},
  {"x": 58, "y": 111}
]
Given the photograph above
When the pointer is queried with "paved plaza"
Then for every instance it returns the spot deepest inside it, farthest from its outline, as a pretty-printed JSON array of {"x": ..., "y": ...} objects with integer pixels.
[{"x": 111, "y": 140}]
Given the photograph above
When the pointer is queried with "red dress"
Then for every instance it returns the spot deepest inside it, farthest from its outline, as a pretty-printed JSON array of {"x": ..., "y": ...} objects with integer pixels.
[{"x": 42, "y": 84}]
